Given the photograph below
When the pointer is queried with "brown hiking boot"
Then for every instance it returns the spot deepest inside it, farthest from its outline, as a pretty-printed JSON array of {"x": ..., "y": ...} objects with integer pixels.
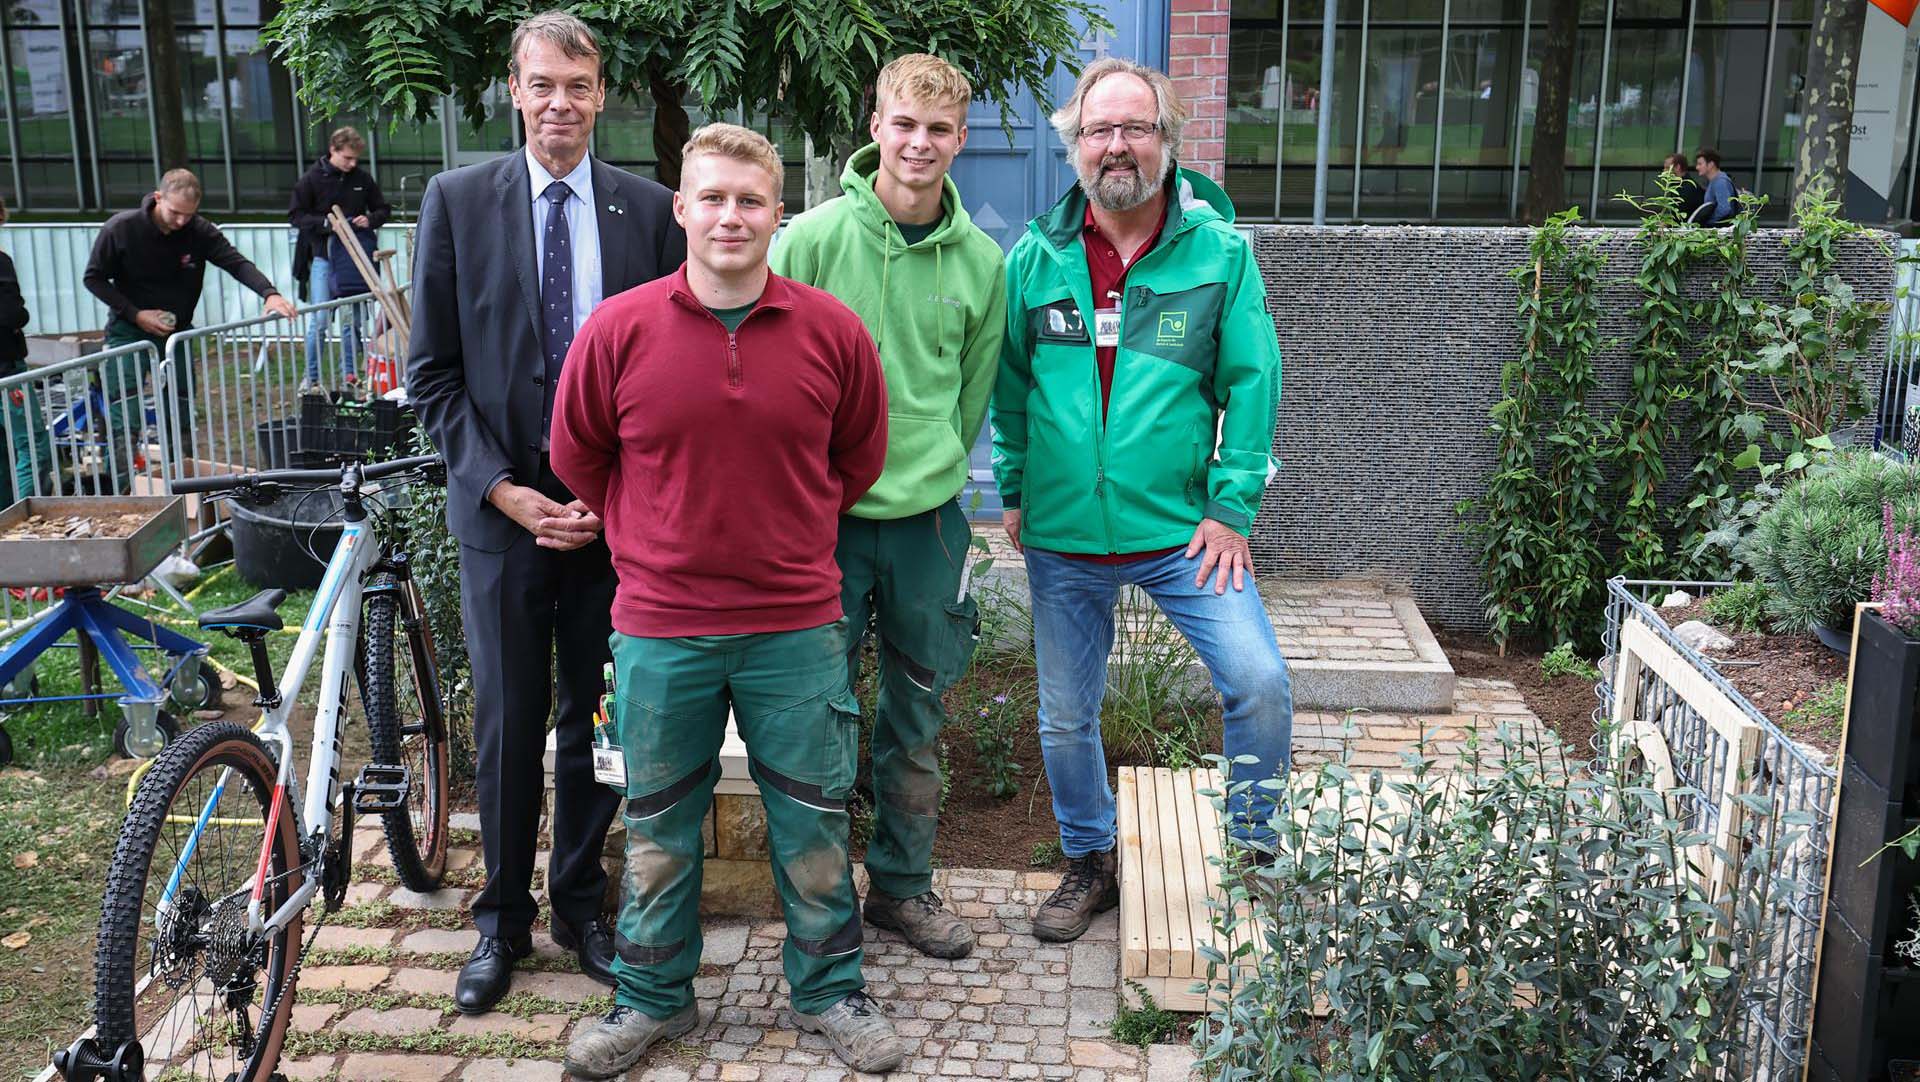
[
  {"x": 931, "y": 927},
  {"x": 1089, "y": 886}
]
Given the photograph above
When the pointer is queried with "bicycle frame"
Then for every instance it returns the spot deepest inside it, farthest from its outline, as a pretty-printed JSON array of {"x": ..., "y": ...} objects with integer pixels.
[{"x": 334, "y": 617}]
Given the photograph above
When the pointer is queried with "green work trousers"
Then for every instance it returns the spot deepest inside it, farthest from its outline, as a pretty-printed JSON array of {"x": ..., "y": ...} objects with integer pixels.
[
  {"x": 123, "y": 382},
  {"x": 800, "y": 723},
  {"x": 905, "y": 575},
  {"x": 27, "y": 445}
]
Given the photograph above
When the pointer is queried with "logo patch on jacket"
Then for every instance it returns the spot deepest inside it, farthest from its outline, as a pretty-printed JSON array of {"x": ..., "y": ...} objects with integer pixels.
[
  {"x": 1172, "y": 330},
  {"x": 1060, "y": 322}
]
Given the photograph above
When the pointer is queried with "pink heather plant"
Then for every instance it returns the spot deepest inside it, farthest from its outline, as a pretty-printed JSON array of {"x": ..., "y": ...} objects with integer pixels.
[{"x": 1897, "y": 588}]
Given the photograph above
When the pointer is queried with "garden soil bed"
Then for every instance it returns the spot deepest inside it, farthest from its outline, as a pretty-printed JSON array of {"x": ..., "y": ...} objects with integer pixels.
[{"x": 1778, "y": 674}]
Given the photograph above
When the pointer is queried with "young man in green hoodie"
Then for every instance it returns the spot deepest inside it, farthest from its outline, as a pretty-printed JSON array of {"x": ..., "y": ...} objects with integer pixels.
[{"x": 899, "y": 249}]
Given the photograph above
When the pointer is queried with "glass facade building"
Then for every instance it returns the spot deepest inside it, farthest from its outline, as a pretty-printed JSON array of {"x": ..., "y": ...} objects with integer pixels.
[
  {"x": 1434, "y": 102},
  {"x": 79, "y": 132}
]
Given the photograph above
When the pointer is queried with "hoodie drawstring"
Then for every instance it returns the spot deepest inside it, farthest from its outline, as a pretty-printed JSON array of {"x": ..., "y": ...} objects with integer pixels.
[{"x": 886, "y": 265}]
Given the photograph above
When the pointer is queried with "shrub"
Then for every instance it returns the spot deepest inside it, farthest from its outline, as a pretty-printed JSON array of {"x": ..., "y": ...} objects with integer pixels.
[
  {"x": 434, "y": 555},
  {"x": 1562, "y": 661},
  {"x": 1153, "y": 709},
  {"x": 1742, "y": 607},
  {"x": 1514, "y": 916},
  {"x": 1818, "y": 548}
]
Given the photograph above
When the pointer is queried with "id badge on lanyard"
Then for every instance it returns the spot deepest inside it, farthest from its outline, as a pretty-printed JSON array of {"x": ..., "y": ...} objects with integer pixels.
[{"x": 1106, "y": 328}]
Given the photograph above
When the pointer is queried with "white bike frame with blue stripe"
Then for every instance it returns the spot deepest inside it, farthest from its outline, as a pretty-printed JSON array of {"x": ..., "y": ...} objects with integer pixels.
[{"x": 334, "y": 619}]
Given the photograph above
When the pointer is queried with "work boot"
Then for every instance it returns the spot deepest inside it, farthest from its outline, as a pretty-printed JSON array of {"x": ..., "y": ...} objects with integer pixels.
[
  {"x": 1089, "y": 886},
  {"x": 616, "y": 1042},
  {"x": 927, "y": 924},
  {"x": 862, "y": 1036}
]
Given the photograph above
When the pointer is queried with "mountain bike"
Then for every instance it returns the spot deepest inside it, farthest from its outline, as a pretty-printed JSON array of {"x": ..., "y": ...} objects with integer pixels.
[{"x": 224, "y": 851}]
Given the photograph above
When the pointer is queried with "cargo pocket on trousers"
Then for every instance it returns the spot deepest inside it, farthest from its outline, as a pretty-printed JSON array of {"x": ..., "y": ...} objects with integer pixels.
[
  {"x": 961, "y": 640},
  {"x": 840, "y": 744}
]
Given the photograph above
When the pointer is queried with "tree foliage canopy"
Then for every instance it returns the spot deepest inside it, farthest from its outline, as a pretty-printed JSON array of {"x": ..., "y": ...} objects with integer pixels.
[{"x": 811, "y": 61}]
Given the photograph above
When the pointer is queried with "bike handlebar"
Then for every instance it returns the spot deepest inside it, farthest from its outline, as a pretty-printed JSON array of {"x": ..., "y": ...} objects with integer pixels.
[{"x": 371, "y": 472}]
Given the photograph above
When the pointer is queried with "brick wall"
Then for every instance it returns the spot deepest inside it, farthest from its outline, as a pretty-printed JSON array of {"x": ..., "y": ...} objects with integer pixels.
[
  {"x": 1392, "y": 342},
  {"x": 1197, "y": 61}
]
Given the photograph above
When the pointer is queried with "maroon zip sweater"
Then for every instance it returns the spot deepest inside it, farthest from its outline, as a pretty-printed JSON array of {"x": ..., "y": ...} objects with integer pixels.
[{"x": 721, "y": 462}]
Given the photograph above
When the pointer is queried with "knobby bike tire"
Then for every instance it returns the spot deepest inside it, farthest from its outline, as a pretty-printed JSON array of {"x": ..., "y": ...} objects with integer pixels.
[
  {"x": 397, "y": 702},
  {"x": 120, "y": 964}
]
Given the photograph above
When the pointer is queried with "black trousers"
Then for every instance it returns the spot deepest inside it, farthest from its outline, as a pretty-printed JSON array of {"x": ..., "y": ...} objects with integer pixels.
[{"x": 538, "y": 621}]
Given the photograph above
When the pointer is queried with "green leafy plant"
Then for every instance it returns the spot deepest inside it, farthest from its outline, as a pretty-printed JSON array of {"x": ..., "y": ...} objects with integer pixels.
[
  {"x": 1146, "y": 1024},
  {"x": 997, "y": 721},
  {"x": 1536, "y": 522},
  {"x": 1045, "y": 854},
  {"x": 1510, "y": 916},
  {"x": 1563, "y": 661},
  {"x": 1721, "y": 424},
  {"x": 1742, "y": 607},
  {"x": 1818, "y": 548}
]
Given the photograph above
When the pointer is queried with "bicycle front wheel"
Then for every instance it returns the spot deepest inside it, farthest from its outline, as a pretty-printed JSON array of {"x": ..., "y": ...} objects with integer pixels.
[
  {"x": 406, "y": 728},
  {"x": 176, "y": 966}
]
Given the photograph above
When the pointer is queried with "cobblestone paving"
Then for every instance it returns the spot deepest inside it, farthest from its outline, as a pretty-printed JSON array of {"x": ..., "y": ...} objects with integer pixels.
[
  {"x": 1338, "y": 620},
  {"x": 374, "y": 1001},
  {"x": 1382, "y": 741}
]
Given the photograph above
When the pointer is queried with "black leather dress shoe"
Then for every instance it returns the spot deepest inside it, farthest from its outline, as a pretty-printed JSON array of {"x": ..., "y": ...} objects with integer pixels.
[
  {"x": 592, "y": 945},
  {"x": 488, "y": 972}
]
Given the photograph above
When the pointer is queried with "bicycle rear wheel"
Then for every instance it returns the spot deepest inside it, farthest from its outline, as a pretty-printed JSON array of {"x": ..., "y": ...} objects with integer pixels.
[
  {"x": 406, "y": 728},
  {"x": 175, "y": 966}
]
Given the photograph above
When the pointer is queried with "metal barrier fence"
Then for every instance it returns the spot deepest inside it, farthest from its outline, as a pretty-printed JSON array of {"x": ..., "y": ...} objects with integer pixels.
[
  {"x": 85, "y": 427},
  {"x": 1777, "y": 1013},
  {"x": 1897, "y": 390},
  {"x": 245, "y": 381}
]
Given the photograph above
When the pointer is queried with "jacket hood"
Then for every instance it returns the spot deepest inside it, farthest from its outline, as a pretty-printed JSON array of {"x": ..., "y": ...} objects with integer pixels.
[{"x": 856, "y": 181}]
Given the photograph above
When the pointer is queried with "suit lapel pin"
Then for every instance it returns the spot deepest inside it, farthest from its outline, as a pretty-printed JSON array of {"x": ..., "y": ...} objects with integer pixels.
[{"x": 615, "y": 208}]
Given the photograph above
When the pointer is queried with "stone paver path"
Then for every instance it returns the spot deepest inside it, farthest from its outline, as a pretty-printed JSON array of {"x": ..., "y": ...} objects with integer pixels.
[
  {"x": 1380, "y": 740},
  {"x": 375, "y": 1001}
]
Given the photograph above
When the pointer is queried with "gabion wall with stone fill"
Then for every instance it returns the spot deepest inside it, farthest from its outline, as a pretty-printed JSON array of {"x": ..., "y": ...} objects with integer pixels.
[{"x": 1392, "y": 341}]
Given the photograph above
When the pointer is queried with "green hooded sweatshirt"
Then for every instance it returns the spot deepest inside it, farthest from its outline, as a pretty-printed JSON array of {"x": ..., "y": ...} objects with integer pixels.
[
  {"x": 1188, "y": 433},
  {"x": 937, "y": 311}
]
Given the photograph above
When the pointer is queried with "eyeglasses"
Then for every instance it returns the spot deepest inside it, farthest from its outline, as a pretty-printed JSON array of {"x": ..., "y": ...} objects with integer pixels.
[{"x": 1134, "y": 131}]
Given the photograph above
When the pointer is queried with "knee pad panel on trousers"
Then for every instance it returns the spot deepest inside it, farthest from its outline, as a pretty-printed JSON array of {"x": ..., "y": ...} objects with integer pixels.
[
  {"x": 845, "y": 941},
  {"x": 651, "y": 805},
  {"x": 640, "y": 954},
  {"x": 801, "y": 792}
]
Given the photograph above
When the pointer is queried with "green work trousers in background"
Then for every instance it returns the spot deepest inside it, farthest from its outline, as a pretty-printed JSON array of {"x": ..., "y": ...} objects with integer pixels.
[
  {"x": 905, "y": 574},
  {"x": 800, "y": 723}
]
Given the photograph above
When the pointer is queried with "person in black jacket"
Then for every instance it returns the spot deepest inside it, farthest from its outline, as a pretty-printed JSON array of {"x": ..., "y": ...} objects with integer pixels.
[
  {"x": 1689, "y": 191},
  {"x": 147, "y": 267},
  {"x": 335, "y": 180},
  {"x": 27, "y": 448}
]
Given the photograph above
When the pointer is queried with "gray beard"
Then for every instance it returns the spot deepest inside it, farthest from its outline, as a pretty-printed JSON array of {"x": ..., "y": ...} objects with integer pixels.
[{"x": 1118, "y": 194}]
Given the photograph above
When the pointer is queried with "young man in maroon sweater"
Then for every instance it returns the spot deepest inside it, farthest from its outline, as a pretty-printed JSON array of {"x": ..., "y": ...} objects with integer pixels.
[{"x": 719, "y": 422}]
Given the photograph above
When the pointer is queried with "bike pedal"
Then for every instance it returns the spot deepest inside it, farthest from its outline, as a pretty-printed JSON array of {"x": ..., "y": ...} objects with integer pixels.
[{"x": 381, "y": 788}]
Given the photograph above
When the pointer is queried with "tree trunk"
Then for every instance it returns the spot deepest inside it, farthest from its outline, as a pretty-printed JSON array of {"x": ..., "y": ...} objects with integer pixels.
[
  {"x": 1833, "y": 62},
  {"x": 163, "y": 83},
  {"x": 823, "y": 170},
  {"x": 1547, "y": 167},
  {"x": 671, "y": 129}
]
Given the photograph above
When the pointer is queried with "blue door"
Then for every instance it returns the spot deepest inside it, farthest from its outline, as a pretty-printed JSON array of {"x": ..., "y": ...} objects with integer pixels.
[{"x": 1005, "y": 181}]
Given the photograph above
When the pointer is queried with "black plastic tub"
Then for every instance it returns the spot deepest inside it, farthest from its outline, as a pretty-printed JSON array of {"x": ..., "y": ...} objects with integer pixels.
[{"x": 274, "y": 546}]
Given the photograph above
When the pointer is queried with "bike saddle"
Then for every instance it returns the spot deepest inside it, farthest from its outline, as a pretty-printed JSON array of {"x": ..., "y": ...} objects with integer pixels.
[{"x": 256, "y": 611}]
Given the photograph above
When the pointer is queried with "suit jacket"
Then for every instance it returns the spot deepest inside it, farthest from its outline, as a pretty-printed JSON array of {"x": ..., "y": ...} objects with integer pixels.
[
  {"x": 13, "y": 319},
  {"x": 474, "y": 368}
]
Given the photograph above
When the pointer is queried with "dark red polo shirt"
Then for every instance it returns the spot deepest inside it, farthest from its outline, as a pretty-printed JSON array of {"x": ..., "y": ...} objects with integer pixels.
[{"x": 1109, "y": 274}]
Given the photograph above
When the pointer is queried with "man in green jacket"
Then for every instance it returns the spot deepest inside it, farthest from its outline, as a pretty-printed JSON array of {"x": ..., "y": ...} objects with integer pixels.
[
  {"x": 1133, "y": 434},
  {"x": 899, "y": 249}
]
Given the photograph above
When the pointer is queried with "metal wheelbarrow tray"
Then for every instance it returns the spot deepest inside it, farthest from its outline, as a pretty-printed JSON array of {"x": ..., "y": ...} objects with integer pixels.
[{"x": 90, "y": 561}]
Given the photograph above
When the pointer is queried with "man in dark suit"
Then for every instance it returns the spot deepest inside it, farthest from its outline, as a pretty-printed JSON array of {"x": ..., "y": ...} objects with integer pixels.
[{"x": 511, "y": 256}]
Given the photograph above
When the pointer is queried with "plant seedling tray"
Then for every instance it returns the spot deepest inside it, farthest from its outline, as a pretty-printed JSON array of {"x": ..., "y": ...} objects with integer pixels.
[{"x": 93, "y": 560}]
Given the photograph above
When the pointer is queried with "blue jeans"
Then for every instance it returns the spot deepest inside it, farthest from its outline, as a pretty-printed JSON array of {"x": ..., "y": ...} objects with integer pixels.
[
  {"x": 1073, "y": 629},
  {"x": 319, "y": 291}
]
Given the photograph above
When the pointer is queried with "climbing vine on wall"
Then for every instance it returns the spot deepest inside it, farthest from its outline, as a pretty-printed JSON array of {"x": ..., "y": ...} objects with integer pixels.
[
  {"x": 1641, "y": 429},
  {"x": 1535, "y": 522},
  {"x": 1721, "y": 423}
]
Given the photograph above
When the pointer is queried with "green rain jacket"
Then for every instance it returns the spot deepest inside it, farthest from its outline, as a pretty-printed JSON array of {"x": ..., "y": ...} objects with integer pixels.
[{"x": 1188, "y": 432}]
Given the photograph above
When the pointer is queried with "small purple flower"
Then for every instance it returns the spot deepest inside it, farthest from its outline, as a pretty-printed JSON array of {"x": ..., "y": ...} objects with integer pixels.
[{"x": 1001, "y": 699}]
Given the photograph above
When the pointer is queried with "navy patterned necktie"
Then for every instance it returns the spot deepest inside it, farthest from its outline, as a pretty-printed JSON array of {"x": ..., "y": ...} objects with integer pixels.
[{"x": 556, "y": 285}]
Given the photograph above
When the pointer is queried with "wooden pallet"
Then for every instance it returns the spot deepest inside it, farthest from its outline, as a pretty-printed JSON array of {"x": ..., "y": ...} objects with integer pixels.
[{"x": 1167, "y": 833}]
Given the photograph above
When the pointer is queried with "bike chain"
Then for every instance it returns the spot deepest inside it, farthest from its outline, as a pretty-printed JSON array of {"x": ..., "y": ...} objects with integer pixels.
[{"x": 293, "y": 979}]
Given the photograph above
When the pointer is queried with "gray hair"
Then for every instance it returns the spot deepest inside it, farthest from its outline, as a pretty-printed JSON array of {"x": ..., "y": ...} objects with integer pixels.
[
  {"x": 559, "y": 29},
  {"x": 1173, "y": 112}
]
